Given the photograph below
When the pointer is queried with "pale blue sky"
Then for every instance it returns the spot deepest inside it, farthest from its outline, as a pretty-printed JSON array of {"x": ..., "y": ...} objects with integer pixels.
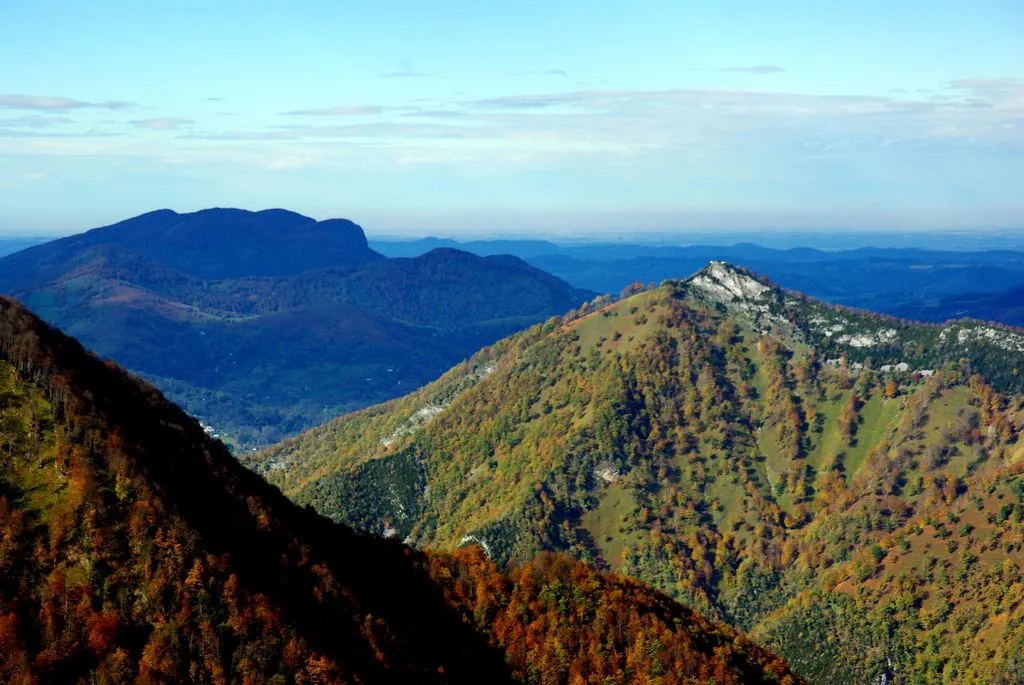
[{"x": 468, "y": 117}]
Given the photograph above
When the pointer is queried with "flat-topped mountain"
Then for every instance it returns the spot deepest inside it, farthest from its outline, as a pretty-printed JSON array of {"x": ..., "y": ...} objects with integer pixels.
[
  {"x": 133, "y": 548},
  {"x": 211, "y": 244},
  {"x": 846, "y": 486},
  {"x": 266, "y": 323}
]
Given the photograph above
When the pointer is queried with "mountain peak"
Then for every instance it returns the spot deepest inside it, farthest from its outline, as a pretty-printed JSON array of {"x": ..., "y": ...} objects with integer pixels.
[
  {"x": 723, "y": 282},
  {"x": 701, "y": 437}
]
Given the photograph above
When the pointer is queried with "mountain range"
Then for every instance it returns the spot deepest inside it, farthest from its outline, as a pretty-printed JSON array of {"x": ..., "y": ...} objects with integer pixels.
[
  {"x": 265, "y": 323},
  {"x": 1006, "y": 306},
  {"x": 844, "y": 485},
  {"x": 134, "y": 548},
  {"x": 847, "y": 487},
  {"x": 930, "y": 285}
]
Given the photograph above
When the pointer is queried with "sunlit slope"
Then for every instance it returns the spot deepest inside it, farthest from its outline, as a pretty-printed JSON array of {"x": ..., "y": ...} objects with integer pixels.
[{"x": 731, "y": 444}]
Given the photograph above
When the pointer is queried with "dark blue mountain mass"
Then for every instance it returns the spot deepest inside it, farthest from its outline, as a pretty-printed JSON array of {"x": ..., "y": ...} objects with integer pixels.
[{"x": 265, "y": 323}]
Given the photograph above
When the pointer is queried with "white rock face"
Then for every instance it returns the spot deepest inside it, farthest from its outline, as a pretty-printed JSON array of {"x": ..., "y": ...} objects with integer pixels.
[
  {"x": 742, "y": 294},
  {"x": 884, "y": 336},
  {"x": 723, "y": 284},
  {"x": 281, "y": 461},
  {"x": 609, "y": 474},
  {"x": 428, "y": 411},
  {"x": 415, "y": 422},
  {"x": 1007, "y": 340},
  {"x": 466, "y": 539}
]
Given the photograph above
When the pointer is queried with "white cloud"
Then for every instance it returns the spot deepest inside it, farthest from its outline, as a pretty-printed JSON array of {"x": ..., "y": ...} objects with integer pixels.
[
  {"x": 162, "y": 123},
  {"x": 611, "y": 128},
  {"x": 338, "y": 111},
  {"x": 56, "y": 103}
]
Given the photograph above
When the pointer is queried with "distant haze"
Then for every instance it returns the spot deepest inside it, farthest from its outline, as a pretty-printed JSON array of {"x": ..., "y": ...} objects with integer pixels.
[{"x": 823, "y": 238}]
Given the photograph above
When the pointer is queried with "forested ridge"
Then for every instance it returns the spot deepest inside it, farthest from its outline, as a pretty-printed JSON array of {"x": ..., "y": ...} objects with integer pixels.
[
  {"x": 845, "y": 486},
  {"x": 133, "y": 548},
  {"x": 263, "y": 324}
]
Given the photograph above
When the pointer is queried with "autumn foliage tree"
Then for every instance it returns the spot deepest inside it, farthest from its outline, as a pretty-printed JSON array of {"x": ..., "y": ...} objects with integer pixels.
[{"x": 135, "y": 549}]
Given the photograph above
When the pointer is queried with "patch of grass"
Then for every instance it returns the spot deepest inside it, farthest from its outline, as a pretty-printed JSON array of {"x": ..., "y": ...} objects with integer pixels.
[
  {"x": 615, "y": 328},
  {"x": 610, "y": 523},
  {"x": 825, "y": 445},
  {"x": 877, "y": 419}
]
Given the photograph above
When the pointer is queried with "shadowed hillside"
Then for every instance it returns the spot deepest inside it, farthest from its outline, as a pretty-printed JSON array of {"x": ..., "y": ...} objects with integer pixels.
[{"x": 262, "y": 324}]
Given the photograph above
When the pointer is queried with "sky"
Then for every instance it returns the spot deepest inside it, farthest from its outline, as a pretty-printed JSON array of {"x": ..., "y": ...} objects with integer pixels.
[{"x": 548, "y": 118}]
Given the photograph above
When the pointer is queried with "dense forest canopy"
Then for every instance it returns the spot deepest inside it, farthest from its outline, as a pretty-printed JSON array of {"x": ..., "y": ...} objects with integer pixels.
[
  {"x": 844, "y": 485},
  {"x": 133, "y": 548}
]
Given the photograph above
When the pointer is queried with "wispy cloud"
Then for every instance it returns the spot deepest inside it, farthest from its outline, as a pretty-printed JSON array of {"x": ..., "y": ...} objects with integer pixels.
[
  {"x": 539, "y": 101},
  {"x": 365, "y": 132},
  {"x": 758, "y": 69},
  {"x": 56, "y": 103},
  {"x": 338, "y": 111},
  {"x": 46, "y": 136},
  {"x": 436, "y": 114},
  {"x": 162, "y": 123},
  {"x": 696, "y": 121},
  {"x": 34, "y": 121},
  {"x": 261, "y": 134},
  {"x": 996, "y": 88},
  {"x": 612, "y": 128}
]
